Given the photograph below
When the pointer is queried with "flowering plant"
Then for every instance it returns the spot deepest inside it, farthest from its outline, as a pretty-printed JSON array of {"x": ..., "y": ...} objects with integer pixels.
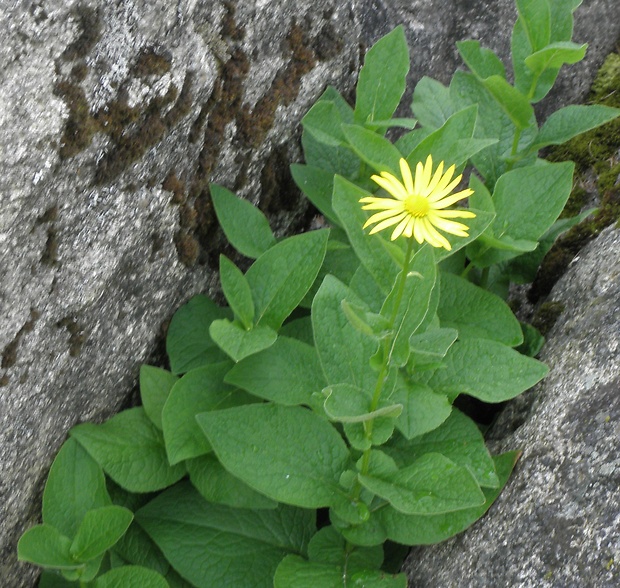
[{"x": 310, "y": 427}]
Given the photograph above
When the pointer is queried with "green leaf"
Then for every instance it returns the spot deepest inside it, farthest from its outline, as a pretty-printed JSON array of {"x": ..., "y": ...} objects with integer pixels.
[
  {"x": 323, "y": 121},
  {"x": 482, "y": 62},
  {"x": 155, "y": 386},
  {"x": 511, "y": 101},
  {"x": 131, "y": 577},
  {"x": 246, "y": 228},
  {"x": 458, "y": 438},
  {"x": 429, "y": 529},
  {"x": 237, "y": 291},
  {"x": 344, "y": 353},
  {"x": 452, "y": 143},
  {"x": 535, "y": 17},
  {"x": 288, "y": 373},
  {"x": 296, "y": 571},
  {"x": 54, "y": 580},
  {"x": 471, "y": 367},
  {"x": 431, "y": 485},
  {"x": 403, "y": 123},
  {"x": 475, "y": 312},
  {"x": 373, "y": 149},
  {"x": 543, "y": 191},
  {"x": 238, "y": 342},
  {"x": 46, "y": 546},
  {"x": 197, "y": 391},
  {"x": 137, "y": 548},
  {"x": 215, "y": 545},
  {"x": 219, "y": 486},
  {"x": 347, "y": 404},
  {"x": 328, "y": 546},
  {"x": 304, "y": 471},
  {"x": 317, "y": 184},
  {"x": 383, "y": 78},
  {"x": 570, "y": 121},
  {"x": 423, "y": 409},
  {"x": 432, "y": 345},
  {"x": 280, "y": 278},
  {"x": 555, "y": 55},
  {"x": 188, "y": 343},
  {"x": 414, "y": 305},
  {"x": 74, "y": 486},
  {"x": 130, "y": 449},
  {"x": 100, "y": 529},
  {"x": 431, "y": 104},
  {"x": 374, "y": 252}
]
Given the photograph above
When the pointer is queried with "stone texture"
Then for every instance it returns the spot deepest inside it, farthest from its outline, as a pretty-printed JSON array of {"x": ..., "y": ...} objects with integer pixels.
[
  {"x": 557, "y": 522},
  {"x": 114, "y": 116}
]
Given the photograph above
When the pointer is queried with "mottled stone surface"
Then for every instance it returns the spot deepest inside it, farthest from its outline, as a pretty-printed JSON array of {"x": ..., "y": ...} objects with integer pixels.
[
  {"x": 114, "y": 116},
  {"x": 557, "y": 523}
]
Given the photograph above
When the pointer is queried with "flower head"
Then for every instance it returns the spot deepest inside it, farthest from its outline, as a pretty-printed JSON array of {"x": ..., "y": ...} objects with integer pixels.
[{"x": 418, "y": 206}]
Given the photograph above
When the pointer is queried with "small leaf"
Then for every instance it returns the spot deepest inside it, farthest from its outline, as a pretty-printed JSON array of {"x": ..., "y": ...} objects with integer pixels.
[
  {"x": 382, "y": 79},
  {"x": 430, "y": 529},
  {"x": 431, "y": 485},
  {"x": 100, "y": 529},
  {"x": 347, "y": 404},
  {"x": 482, "y": 62},
  {"x": 570, "y": 121},
  {"x": 238, "y": 342},
  {"x": 431, "y": 103},
  {"x": 317, "y": 184},
  {"x": 213, "y": 545},
  {"x": 131, "y": 577},
  {"x": 248, "y": 442},
  {"x": 237, "y": 291},
  {"x": 471, "y": 368},
  {"x": 475, "y": 312},
  {"x": 155, "y": 386},
  {"x": 511, "y": 101},
  {"x": 373, "y": 149},
  {"x": 74, "y": 486},
  {"x": 328, "y": 546},
  {"x": 130, "y": 449},
  {"x": 535, "y": 17},
  {"x": 288, "y": 373},
  {"x": 47, "y": 547},
  {"x": 246, "y": 228},
  {"x": 555, "y": 55},
  {"x": 188, "y": 343},
  {"x": 458, "y": 438},
  {"x": 197, "y": 391},
  {"x": 280, "y": 278}
]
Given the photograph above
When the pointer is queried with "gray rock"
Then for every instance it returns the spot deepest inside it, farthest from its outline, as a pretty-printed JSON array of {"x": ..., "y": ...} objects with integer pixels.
[
  {"x": 115, "y": 116},
  {"x": 556, "y": 524}
]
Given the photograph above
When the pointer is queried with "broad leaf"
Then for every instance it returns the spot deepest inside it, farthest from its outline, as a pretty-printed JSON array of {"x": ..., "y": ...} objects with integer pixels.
[
  {"x": 431, "y": 103},
  {"x": 238, "y": 342},
  {"x": 317, "y": 184},
  {"x": 375, "y": 150},
  {"x": 155, "y": 386},
  {"x": 46, "y": 546},
  {"x": 131, "y": 577},
  {"x": 248, "y": 442},
  {"x": 237, "y": 291},
  {"x": 482, "y": 62},
  {"x": 280, "y": 278},
  {"x": 215, "y": 545},
  {"x": 246, "y": 227},
  {"x": 100, "y": 529},
  {"x": 382, "y": 79},
  {"x": 74, "y": 486},
  {"x": 188, "y": 343},
  {"x": 130, "y": 449}
]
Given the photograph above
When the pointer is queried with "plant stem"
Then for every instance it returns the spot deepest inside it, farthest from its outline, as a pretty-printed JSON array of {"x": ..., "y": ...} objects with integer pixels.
[{"x": 383, "y": 371}]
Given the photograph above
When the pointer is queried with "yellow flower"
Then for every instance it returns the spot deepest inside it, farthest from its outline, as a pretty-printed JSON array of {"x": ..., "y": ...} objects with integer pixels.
[{"x": 418, "y": 208}]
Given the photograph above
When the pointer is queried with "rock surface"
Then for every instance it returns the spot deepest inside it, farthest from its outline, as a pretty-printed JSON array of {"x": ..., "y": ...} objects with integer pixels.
[
  {"x": 114, "y": 117},
  {"x": 557, "y": 522}
]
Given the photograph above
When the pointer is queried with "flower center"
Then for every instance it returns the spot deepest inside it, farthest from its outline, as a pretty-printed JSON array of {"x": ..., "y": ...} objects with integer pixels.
[{"x": 417, "y": 205}]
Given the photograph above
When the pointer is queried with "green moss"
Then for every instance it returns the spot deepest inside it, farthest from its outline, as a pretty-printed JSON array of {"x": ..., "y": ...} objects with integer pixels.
[
  {"x": 90, "y": 33},
  {"x": 152, "y": 63}
]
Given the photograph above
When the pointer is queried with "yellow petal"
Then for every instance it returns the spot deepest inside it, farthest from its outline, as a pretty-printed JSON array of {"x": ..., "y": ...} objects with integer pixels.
[
  {"x": 435, "y": 181},
  {"x": 387, "y": 223},
  {"x": 405, "y": 171},
  {"x": 445, "y": 179},
  {"x": 379, "y": 216},
  {"x": 419, "y": 175},
  {"x": 458, "y": 229},
  {"x": 426, "y": 176},
  {"x": 434, "y": 237},
  {"x": 398, "y": 231},
  {"x": 391, "y": 185},
  {"x": 449, "y": 200},
  {"x": 381, "y": 203},
  {"x": 408, "y": 232},
  {"x": 455, "y": 213}
]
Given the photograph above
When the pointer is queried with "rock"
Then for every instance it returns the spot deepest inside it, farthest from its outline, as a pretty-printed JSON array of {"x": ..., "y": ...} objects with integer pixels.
[
  {"x": 556, "y": 522},
  {"x": 115, "y": 116}
]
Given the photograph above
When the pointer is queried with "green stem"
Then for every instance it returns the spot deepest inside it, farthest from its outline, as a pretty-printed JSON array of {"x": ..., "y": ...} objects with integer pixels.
[{"x": 383, "y": 371}]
